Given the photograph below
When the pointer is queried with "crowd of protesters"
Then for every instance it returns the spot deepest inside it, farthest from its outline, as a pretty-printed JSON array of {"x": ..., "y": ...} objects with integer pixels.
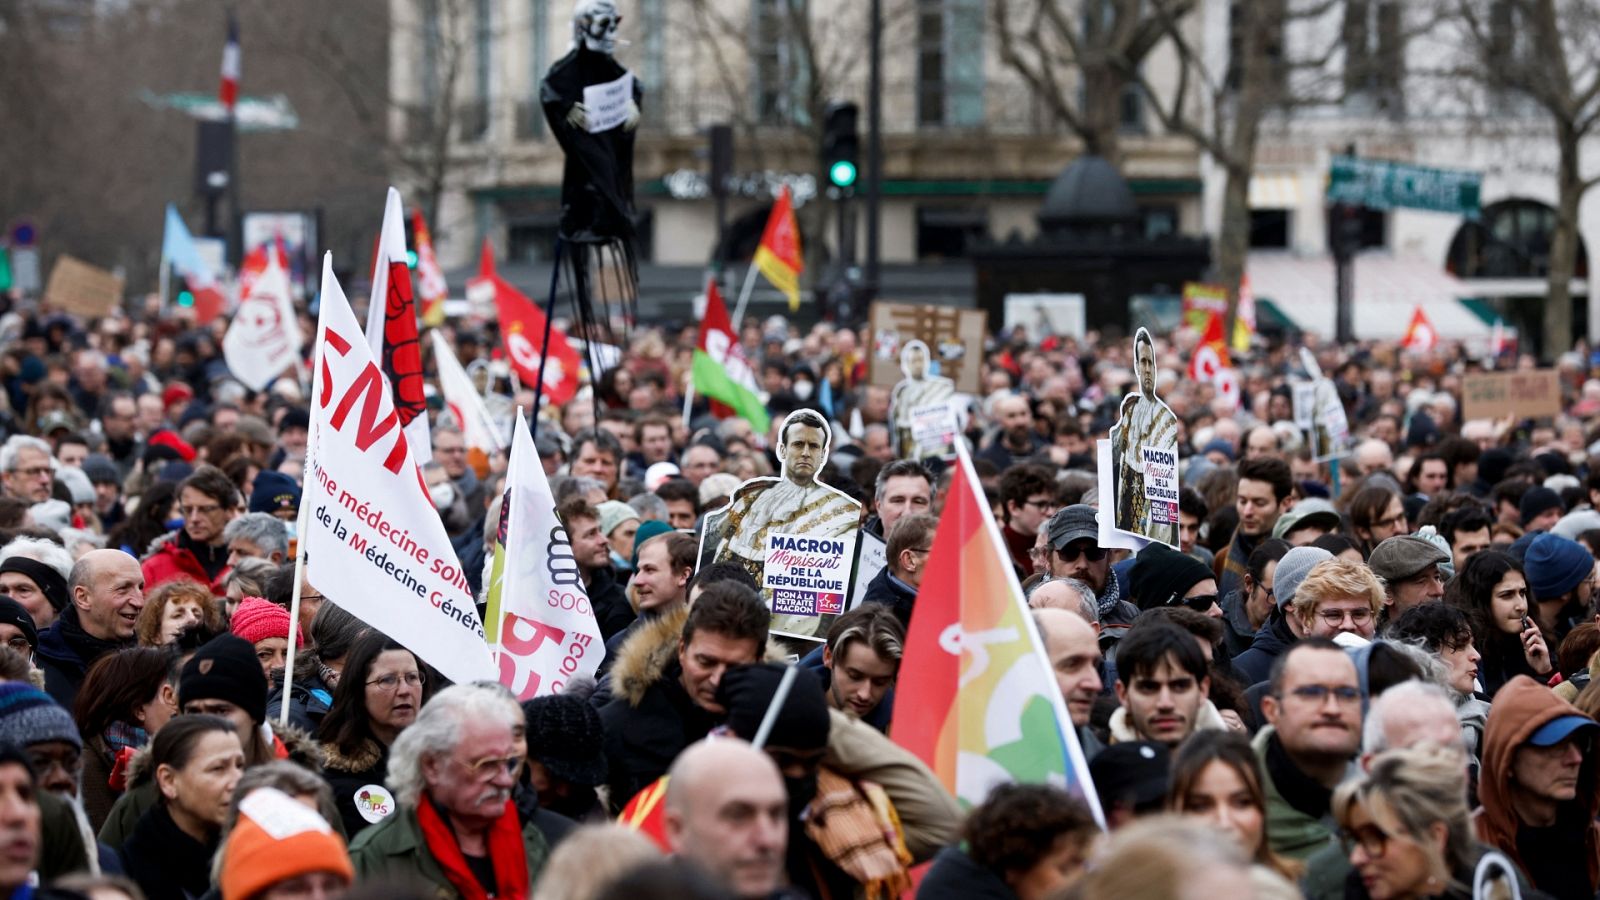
[{"x": 1361, "y": 679}]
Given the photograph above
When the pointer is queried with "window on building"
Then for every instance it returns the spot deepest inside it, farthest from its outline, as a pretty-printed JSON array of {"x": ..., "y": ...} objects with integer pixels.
[
  {"x": 474, "y": 114},
  {"x": 1157, "y": 220},
  {"x": 781, "y": 77},
  {"x": 652, "y": 72},
  {"x": 1374, "y": 67},
  {"x": 949, "y": 232},
  {"x": 1269, "y": 229},
  {"x": 1511, "y": 239},
  {"x": 950, "y": 63},
  {"x": 530, "y": 113}
]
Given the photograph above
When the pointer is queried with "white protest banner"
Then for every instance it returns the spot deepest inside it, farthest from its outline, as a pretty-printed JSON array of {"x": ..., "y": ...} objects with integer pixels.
[
  {"x": 264, "y": 338},
  {"x": 1305, "y": 404},
  {"x": 546, "y": 630},
  {"x": 392, "y": 329},
  {"x": 808, "y": 576},
  {"x": 461, "y": 397},
  {"x": 373, "y": 538},
  {"x": 607, "y": 103},
  {"x": 874, "y": 557},
  {"x": 934, "y": 429}
]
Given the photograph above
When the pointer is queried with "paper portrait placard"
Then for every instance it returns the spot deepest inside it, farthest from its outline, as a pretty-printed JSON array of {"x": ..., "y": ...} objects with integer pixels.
[{"x": 1144, "y": 457}]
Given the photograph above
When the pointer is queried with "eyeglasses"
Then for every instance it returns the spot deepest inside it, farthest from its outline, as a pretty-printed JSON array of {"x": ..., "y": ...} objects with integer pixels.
[
  {"x": 1391, "y": 522},
  {"x": 485, "y": 769},
  {"x": 1335, "y": 617},
  {"x": 33, "y": 471},
  {"x": 201, "y": 510},
  {"x": 68, "y": 760},
  {"x": 1092, "y": 554},
  {"x": 1372, "y": 840},
  {"x": 391, "y": 682},
  {"x": 1199, "y": 603},
  {"x": 1045, "y": 505},
  {"x": 1319, "y": 693},
  {"x": 20, "y": 645},
  {"x": 1038, "y": 554}
]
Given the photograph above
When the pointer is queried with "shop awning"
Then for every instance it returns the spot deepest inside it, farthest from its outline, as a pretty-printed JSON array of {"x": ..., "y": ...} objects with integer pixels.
[
  {"x": 1386, "y": 290},
  {"x": 1274, "y": 191}
]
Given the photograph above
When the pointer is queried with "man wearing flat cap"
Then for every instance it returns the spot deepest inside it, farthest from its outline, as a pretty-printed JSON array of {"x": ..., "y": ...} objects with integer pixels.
[
  {"x": 1409, "y": 567},
  {"x": 1075, "y": 552}
]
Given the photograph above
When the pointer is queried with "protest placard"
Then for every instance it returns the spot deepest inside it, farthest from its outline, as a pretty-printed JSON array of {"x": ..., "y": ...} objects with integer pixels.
[
  {"x": 1525, "y": 395},
  {"x": 807, "y": 577},
  {"x": 933, "y": 429},
  {"x": 607, "y": 103},
  {"x": 1142, "y": 457},
  {"x": 81, "y": 289},
  {"x": 954, "y": 338}
]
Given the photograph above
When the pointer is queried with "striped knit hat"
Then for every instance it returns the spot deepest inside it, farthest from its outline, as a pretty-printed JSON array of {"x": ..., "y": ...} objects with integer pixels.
[{"x": 28, "y": 716}]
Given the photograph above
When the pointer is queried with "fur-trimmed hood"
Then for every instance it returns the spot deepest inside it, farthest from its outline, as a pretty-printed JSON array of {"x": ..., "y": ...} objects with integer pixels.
[
  {"x": 646, "y": 653},
  {"x": 301, "y": 748},
  {"x": 368, "y": 755}
]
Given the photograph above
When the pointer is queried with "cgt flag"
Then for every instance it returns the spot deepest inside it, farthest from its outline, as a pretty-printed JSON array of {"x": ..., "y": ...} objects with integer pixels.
[
  {"x": 371, "y": 535},
  {"x": 778, "y": 256},
  {"x": 544, "y": 627},
  {"x": 522, "y": 329},
  {"x": 430, "y": 278},
  {"x": 1420, "y": 335},
  {"x": 984, "y": 708},
  {"x": 719, "y": 367},
  {"x": 264, "y": 338},
  {"x": 392, "y": 328}
]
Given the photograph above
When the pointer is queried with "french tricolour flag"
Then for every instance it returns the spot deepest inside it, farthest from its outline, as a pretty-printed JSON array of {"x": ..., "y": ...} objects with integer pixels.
[{"x": 228, "y": 93}]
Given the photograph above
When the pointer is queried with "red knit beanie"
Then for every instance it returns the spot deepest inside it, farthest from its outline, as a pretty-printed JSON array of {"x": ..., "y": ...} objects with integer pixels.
[{"x": 257, "y": 619}]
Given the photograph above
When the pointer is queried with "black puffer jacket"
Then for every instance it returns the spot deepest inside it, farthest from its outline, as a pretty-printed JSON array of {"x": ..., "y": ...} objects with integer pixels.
[{"x": 954, "y": 876}]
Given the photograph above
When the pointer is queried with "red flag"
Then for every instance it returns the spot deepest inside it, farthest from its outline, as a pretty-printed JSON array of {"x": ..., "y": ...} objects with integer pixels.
[
  {"x": 522, "y": 329},
  {"x": 430, "y": 279},
  {"x": 1420, "y": 335},
  {"x": 228, "y": 92},
  {"x": 778, "y": 255}
]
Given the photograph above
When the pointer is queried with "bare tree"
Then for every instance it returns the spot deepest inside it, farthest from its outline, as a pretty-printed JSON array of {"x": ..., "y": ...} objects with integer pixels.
[
  {"x": 1076, "y": 57},
  {"x": 1549, "y": 53}
]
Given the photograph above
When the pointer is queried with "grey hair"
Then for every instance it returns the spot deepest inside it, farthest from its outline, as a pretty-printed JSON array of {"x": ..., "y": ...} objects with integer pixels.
[
  {"x": 265, "y": 531},
  {"x": 1088, "y": 607},
  {"x": 438, "y": 728},
  {"x": 251, "y": 575},
  {"x": 650, "y": 507},
  {"x": 1406, "y": 694},
  {"x": 48, "y": 552},
  {"x": 15, "y": 444},
  {"x": 577, "y": 486}
]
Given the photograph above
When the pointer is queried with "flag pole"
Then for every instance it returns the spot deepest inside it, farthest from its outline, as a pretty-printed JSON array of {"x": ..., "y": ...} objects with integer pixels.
[
  {"x": 688, "y": 401},
  {"x": 778, "y": 697},
  {"x": 302, "y": 522},
  {"x": 744, "y": 299}
]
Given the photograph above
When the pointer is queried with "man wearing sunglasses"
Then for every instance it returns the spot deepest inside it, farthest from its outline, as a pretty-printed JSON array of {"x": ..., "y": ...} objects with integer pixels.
[{"x": 1075, "y": 553}]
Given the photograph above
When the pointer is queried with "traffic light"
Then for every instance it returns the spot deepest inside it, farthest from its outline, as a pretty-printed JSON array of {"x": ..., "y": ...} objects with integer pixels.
[{"x": 841, "y": 144}]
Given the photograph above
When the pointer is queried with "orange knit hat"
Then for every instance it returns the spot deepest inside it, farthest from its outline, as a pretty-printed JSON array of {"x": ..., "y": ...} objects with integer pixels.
[{"x": 278, "y": 838}]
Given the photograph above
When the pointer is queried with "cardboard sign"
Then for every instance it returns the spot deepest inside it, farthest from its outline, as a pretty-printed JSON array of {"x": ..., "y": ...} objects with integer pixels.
[
  {"x": 869, "y": 562},
  {"x": 808, "y": 576},
  {"x": 608, "y": 103},
  {"x": 1139, "y": 470},
  {"x": 1524, "y": 395},
  {"x": 954, "y": 338},
  {"x": 933, "y": 429},
  {"x": 81, "y": 289}
]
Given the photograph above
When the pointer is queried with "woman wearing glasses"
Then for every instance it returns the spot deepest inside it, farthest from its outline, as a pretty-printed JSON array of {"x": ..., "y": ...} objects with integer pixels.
[
  {"x": 1406, "y": 827},
  {"x": 380, "y": 692},
  {"x": 1493, "y": 593}
]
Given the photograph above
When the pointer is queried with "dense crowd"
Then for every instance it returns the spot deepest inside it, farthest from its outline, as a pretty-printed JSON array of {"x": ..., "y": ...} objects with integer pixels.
[{"x": 1368, "y": 678}]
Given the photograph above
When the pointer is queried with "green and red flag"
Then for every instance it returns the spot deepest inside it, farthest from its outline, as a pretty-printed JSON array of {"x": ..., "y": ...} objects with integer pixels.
[
  {"x": 778, "y": 255},
  {"x": 720, "y": 370},
  {"x": 984, "y": 708}
]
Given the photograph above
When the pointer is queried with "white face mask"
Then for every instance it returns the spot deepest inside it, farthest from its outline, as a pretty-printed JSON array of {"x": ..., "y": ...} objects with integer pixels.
[
  {"x": 442, "y": 494},
  {"x": 802, "y": 389}
]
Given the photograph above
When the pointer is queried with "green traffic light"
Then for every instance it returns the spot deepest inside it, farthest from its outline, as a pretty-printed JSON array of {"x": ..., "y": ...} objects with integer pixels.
[
  {"x": 842, "y": 173},
  {"x": 411, "y": 259},
  {"x": 185, "y": 298}
]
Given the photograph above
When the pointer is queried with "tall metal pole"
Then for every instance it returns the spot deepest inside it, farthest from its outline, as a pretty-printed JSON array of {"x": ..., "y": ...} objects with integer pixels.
[{"x": 874, "y": 146}]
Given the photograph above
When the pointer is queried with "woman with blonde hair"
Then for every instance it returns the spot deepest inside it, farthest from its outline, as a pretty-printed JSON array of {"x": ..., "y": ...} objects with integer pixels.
[
  {"x": 591, "y": 859},
  {"x": 1215, "y": 780},
  {"x": 1406, "y": 827},
  {"x": 174, "y": 606}
]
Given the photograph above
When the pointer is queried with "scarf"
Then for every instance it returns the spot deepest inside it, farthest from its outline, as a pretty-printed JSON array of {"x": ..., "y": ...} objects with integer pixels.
[
  {"x": 121, "y": 735},
  {"x": 506, "y": 853},
  {"x": 1111, "y": 596},
  {"x": 856, "y": 828}
]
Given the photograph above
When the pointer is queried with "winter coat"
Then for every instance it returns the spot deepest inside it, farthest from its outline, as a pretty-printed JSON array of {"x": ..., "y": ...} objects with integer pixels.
[
  {"x": 929, "y": 817},
  {"x": 349, "y": 775},
  {"x": 66, "y": 652},
  {"x": 610, "y": 602},
  {"x": 1237, "y": 635},
  {"x": 1255, "y": 665},
  {"x": 395, "y": 852},
  {"x": 955, "y": 876},
  {"x": 309, "y": 701},
  {"x": 1292, "y": 833},
  {"x": 1519, "y": 709},
  {"x": 1209, "y": 719},
  {"x": 94, "y": 787},
  {"x": 650, "y": 718},
  {"x": 167, "y": 863},
  {"x": 173, "y": 556},
  {"x": 893, "y": 593},
  {"x": 61, "y": 845}
]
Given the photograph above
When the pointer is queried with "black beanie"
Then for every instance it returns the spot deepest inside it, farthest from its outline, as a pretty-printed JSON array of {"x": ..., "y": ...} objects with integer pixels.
[
  {"x": 50, "y": 582},
  {"x": 226, "y": 668},
  {"x": 1162, "y": 575},
  {"x": 747, "y": 691}
]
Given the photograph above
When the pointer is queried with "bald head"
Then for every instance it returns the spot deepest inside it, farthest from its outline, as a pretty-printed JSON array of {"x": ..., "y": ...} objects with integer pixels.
[
  {"x": 1373, "y": 455},
  {"x": 1073, "y": 649},
  {"x": 1408, "y": 714},
  {"x": 728, "y": 812},
  {"x": 107, "y": 588},
  {"x": 1067, "y": 594}
]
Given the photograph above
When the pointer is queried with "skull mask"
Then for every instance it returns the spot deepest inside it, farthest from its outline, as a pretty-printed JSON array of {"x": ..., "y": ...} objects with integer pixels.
[{"x": 594, "y": 25}]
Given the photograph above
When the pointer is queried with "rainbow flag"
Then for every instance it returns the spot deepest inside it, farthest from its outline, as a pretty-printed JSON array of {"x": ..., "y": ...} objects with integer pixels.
[{"x": 984, "y": 708}]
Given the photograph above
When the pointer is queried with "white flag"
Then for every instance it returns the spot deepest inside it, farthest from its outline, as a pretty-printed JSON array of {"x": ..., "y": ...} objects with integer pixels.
[
  {"x": 373, "y": 540},
  {"x": 264, "y": 338},
  {"x": 392, "y": 296},
  {"x": 547, "y": 631},
  {"x": 461, "y": 398}
]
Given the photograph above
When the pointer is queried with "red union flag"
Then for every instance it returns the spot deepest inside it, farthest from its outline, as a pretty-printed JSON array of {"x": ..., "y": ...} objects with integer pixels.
[
  {"x": 392, "y": 327},
  {"x": 430, "y": 279},
  {"x": 522, "y": 330},
  {"x": 1420, "y": 335},
  {"x": 371, "y": 535},
  {"x": 778, "y": 255},
  {"x": 264, "y": 338}
]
